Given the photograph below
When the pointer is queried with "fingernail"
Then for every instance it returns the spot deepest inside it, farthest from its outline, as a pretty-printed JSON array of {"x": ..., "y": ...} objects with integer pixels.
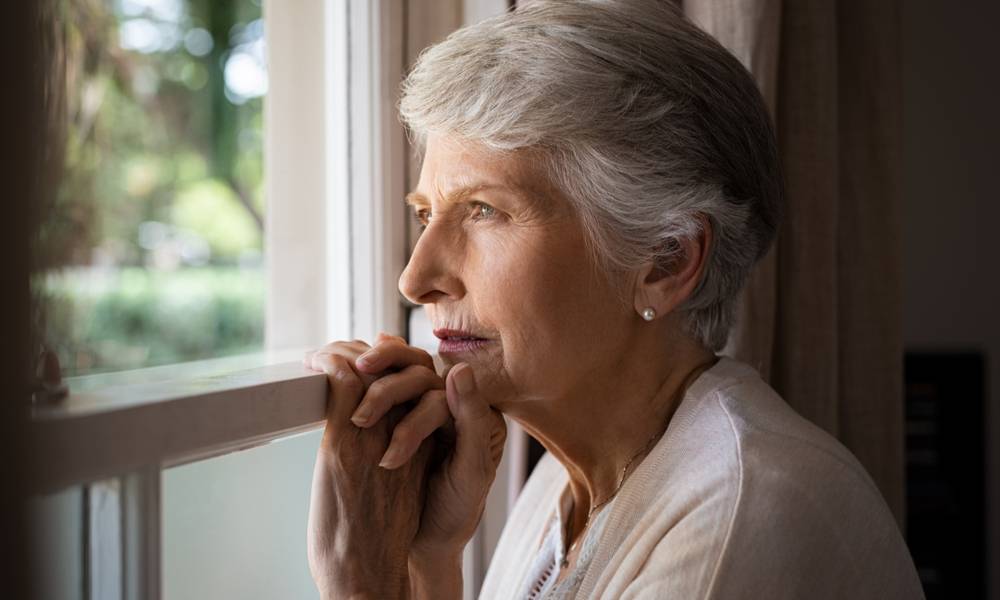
[
  {"x": 390, "y": 458},
  {"x": 368, "y": 358},
  {"x": 465, "y": 382},
  {"x": 361, "y": 415}
]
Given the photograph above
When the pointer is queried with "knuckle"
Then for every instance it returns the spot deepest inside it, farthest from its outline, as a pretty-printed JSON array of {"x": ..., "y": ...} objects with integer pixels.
[
  {"x": 344, "y": 373},
  {"x": 388, "y": 340},
  {"x": 437, "y": 403},
  {"x": 433, "y": 411},
  {"x": 351, "y": 383},
  {"x": 357, "y": 347},
  {"x": 420, "y": 356},
  {"x": 416, "y": 371},
  {"x": 377, "y": 389},
  {"x": 324, "y": 361},
  {"x": 332, "y": 346},
  {"x": 425, "y": 374},
  {"x": 393, "y": 349},
  {"x": 425, "y": 358},
  {"x": 436, "y": 396},
  {"x": 403, "y": 435},
  {"x": 377, "y": 398},
  {"x": 331, "y": 351}
]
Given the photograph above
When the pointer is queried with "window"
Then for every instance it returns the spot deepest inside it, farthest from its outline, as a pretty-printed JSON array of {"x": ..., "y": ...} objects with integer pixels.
[
  {"x": 153, "y": 252},
  {"x": 140, "y": 490}
]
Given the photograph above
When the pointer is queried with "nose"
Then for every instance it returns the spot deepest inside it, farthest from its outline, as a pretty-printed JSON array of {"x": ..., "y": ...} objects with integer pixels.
[{"x": 431, "y": 275}]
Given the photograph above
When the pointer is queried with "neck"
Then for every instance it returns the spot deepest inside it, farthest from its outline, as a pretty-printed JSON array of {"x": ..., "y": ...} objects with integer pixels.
[{"x": 611, "y": 419}]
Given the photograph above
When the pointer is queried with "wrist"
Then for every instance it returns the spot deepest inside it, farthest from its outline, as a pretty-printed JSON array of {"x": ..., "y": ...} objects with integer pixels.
[
  {"x": 366, "y": 582},
  {"x": 422, "y": 552},
  {"x": 436, "y": 575}
]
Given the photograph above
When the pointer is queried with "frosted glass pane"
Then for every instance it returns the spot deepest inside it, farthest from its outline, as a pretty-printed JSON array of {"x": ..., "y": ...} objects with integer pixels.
[
  {"x": 235, "y": 526},
  {"x": 56, "y": 525}
]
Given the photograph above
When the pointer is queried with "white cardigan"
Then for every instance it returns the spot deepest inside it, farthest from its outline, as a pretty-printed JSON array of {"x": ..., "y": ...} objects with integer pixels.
[{"x": 741, "y": 498}]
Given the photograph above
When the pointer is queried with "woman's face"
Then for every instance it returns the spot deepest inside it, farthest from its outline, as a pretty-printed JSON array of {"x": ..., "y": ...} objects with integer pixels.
[{"x": 504, "y": 272}]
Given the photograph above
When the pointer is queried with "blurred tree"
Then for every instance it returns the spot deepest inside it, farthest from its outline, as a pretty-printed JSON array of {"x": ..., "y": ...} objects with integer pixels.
[
  {"x": 221, "y": 18},
  {"x": 160, "y": 138},
  {"x": 139, "y": 117}
]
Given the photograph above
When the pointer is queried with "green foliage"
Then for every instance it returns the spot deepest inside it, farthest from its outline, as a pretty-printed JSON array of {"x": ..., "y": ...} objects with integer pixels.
[
  {"x": 210, "y": 209},
  {"x": 142, "y": 123},
  {"x": 161, "y": 191},
  {"x": 136, "y": 317}
]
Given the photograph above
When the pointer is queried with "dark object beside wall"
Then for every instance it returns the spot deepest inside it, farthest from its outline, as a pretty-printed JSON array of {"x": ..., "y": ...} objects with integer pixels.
[{"x": 945, "y": 472}]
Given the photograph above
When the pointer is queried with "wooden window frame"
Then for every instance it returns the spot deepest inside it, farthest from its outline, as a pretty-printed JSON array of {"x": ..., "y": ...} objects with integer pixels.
[
  {"x": 338, "y": 165},
  {"x": 335, "y": 243}
]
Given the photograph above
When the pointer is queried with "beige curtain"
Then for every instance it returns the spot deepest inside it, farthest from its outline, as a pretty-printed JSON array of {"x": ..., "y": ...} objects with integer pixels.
[{"x": 820, "y": 316}]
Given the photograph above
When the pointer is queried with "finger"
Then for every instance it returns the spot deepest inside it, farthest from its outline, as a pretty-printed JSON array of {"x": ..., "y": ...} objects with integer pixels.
[
  {"x": 475, "y": 422},
  {"x": 342, "y": 349},
  {"x": 307, "y": 359},
  {"x": 430, "y": 414},
  {"x": 350, "y": 349},
  {"x": 393, "y": 353},
  {"x": 383, "y": 336},
  {"x": 358, "y": 346},
  {"x": 346, "y": 387},
  {"x": 391, "y": 390}
]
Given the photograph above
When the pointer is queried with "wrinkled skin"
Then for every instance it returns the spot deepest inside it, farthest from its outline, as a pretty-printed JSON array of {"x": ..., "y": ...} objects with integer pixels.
[
  {"x": 381, "y": 528},
  {"x": 557, "y": 344}
]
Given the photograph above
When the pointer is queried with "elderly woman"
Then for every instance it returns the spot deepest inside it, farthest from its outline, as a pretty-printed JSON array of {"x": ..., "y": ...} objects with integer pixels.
[{"x": 598, "y": 180}]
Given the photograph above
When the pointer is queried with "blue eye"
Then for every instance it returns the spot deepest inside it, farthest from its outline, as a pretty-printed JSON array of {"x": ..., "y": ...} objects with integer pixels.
[{"x": 482, "y": 211}]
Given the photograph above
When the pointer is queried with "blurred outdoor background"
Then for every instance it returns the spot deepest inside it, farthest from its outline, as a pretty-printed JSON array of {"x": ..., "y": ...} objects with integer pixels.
[{"x": 153, "y": 253}]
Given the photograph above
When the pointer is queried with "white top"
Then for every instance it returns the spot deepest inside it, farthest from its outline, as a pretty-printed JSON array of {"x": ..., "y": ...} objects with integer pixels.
[
  {"x": 545, "y": 568},
  {"x": 740, "y": 498}
]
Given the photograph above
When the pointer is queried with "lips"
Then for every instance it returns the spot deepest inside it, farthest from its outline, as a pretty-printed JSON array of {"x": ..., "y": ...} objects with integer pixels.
[{"x": 456, "y": 341}]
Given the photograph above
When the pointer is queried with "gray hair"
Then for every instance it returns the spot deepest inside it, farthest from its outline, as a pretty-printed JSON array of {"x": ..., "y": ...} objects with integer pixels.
[{"x": 644, "y": 121}]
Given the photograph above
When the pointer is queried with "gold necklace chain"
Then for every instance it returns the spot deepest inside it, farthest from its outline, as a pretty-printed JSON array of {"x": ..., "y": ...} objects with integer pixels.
[
  {"x": 595, "y": 507},
  {"x": 621, "y": 479}
]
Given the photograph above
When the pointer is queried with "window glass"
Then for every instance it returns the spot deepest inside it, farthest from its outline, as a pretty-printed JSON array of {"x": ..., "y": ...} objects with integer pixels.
[
  {"x": 235, "y": 526},
  {"x": 56, "y": 523},
  {"x": 153, "y": 252}
]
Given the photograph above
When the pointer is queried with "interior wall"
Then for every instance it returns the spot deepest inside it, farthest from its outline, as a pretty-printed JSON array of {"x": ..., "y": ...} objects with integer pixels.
[{"x": 951, "y": 128}]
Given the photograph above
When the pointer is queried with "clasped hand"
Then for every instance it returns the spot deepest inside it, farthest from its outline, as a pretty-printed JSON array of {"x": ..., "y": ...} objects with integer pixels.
[{"x": 402, "y": 473}]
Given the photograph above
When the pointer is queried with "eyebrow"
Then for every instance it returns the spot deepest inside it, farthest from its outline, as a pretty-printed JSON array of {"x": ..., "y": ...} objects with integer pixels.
[{"x": 418, "y": 199}]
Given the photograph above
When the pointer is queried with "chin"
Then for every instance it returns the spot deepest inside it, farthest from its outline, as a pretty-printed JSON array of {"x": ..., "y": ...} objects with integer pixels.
[{"x": 490, "y": 375}]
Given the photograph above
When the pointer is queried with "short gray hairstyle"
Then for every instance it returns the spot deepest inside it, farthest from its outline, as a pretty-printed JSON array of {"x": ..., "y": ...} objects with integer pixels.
[{"x": 644, "y": 121}]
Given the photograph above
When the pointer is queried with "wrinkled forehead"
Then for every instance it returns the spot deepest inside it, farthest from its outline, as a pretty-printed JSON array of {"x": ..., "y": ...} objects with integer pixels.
[{"x": 452, "y": 166}]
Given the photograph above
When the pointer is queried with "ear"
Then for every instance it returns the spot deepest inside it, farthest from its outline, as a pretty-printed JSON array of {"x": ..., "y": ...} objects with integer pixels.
[{"x": 665, "y": 286}]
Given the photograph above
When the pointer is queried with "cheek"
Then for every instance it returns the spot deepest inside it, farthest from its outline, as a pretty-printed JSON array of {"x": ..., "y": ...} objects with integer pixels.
[
  {"x": 518, "y": 280},
  {"x": 538, "y": 289}
]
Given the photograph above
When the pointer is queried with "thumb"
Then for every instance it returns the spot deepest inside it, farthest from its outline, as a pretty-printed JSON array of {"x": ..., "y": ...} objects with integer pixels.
[{"x": 474, "y": 419}]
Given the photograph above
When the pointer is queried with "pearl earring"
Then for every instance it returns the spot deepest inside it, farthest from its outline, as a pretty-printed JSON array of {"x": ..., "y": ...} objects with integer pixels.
[{"x": 648, "y": 314}]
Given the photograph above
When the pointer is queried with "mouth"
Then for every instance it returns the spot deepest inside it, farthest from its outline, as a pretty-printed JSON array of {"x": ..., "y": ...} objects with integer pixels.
[{"x": 455, "y": 341}]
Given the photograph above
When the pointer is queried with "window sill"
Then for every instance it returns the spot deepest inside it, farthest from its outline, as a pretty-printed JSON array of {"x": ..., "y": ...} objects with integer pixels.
[{"x": 118, "y": 423}]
